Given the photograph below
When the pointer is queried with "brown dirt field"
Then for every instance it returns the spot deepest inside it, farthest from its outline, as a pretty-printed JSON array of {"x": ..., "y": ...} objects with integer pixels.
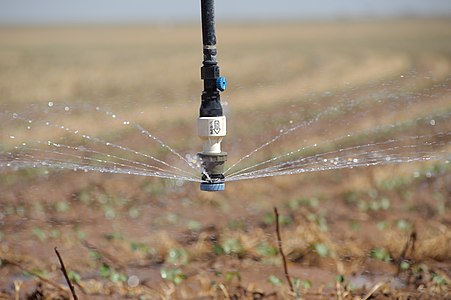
[{"x": 380, "y": 232}]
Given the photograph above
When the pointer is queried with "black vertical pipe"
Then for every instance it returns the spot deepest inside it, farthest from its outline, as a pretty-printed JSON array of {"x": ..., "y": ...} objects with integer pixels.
[
  {"x": 208, "y": 31},
  {"x": 211, "y": 105}
]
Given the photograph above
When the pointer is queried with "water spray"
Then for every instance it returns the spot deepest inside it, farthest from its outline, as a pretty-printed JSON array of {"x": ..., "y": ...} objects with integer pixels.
[{"x": 211, "y": 122}]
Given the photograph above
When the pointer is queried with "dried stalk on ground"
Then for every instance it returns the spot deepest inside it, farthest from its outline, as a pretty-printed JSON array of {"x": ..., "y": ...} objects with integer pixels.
[
  {"x": 284, "y": 258},
  {"x": 66, "y": 276}
]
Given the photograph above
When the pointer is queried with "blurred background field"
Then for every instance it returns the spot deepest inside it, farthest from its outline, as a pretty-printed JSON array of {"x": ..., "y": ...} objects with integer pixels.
[{"x": 129, "y": 236}]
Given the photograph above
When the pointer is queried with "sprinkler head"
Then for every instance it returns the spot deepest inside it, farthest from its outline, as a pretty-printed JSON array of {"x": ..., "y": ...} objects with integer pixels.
[
  {"x": 213, "y": 179},
  {"x": 212, "y": 130}
]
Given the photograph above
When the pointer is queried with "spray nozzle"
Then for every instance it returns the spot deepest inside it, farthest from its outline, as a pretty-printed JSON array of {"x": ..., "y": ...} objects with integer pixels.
[{"x": 212, "y": 130}]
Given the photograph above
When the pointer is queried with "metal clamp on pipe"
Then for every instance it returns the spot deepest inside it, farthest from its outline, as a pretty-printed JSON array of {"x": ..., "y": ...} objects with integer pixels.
[{"x": 212, "y": 122}]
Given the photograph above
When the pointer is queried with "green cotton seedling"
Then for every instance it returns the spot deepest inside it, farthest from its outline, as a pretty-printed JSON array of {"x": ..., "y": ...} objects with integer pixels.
[
  {"x": 380, "y": 254},
  {"x": 403, "y": 225},
  {"x": 438, "y": 280},
  {"x": 74, "y": 277},
  {"x": 109, "y": 212},
  {"x": 233, "y": 246},
  {"x": 62, "y": 206},
  {"x": 173, "y": 275},
  {"x": 38, "y": 272},
  {"x": 320, "y": 221},
  {"x": 194, "y": 225},
  {"x": 301, "y": 284},
  {"x": 139, "y": 247},
  {"x": 178, "y": 256},
  {"x": 322, "y": 250},
  {"x": 404, "y": 265},
  {"x": 39, "y": 233},
  {"x": 133, "y": 212},
  {"x": 230, "y": 275},
  {"x": 237, "y": 224},
  {"x": 106, "y": 272},
  {"x": 274, "y": 280},
  {"x": 265, "y": 249}
]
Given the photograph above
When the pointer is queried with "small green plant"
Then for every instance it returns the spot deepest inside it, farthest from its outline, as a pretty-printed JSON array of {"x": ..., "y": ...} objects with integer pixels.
[
  {"x": 321, "y": 249},
  {"x": 85, "y": 196},
  {"x": 274, "y": 280},
  {"x": 177, "y": 256},
  {"x": 35, "y": 271},
  {"x": 301, "y": 284},
  {"x": 133, "y": 212},
  {"x": 382, "y": 225},
  {"x": 173, "y": 275},
  {"x": 402, "y": 224},
  {"x": 438, "y": 280},
  {"x": 109, "y": 212},
  {"x": 265, "y": 249},
  {"x": 380, "y": 254},
  {"x": 39, "y": 233},
  {"x": 80, "y": 234},
  {"x": 230, "y": 275},
  {"x": 139, "y": 247},
  {"x": 237, "y": 224},
  {"x": 106, "y": 272},
  {"x": 74, "y": 276},
  {"x": 233, "y": 246},
  {"x": 62, "y": 206},
  {"x": 320, "y": 221},
  {"x": 404, "y": 265},
  {"x": 194, "y": 225},
  {"x": 269, "y": 218},
  {"x": 354, "y": 225},
  {"x": 55, "y": 233}
]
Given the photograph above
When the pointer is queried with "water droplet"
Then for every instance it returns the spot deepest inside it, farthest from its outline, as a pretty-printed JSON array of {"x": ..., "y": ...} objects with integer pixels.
[
  {"x": 432, "y": 122},
  {"x": 50, "y": 104},
  {"x": 133, "y": 281}
]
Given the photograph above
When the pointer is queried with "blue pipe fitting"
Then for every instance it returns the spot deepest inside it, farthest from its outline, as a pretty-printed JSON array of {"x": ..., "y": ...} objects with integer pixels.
[
  {"x": 221, "y": 83},
  {"x": 212, "y": 186}
]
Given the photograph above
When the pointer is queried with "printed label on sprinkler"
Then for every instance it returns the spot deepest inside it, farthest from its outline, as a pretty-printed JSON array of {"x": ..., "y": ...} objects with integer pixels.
[{"x": 215, "y": 127}]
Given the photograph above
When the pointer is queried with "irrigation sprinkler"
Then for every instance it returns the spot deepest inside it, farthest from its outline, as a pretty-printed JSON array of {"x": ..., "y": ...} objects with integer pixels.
[{"x": 211, "y": 122}]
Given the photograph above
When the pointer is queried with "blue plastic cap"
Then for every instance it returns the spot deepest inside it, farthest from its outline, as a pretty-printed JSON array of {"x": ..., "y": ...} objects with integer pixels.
[
  {"x": 221, "y": 83},
  {"x": 212, "y": 187}
]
